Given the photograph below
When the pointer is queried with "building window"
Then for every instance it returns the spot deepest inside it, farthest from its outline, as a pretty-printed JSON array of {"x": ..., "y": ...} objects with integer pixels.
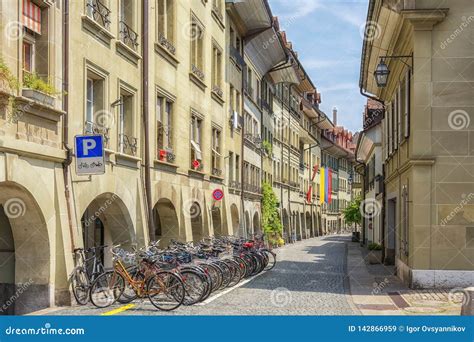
[
  {"x": 217, "y": 9},
  {"x": 237, "y": 168},
  {"x": 217, "y": 70},
  {"x": 95, "y": 102},
  {"x": 197, "y": 49},
  {"x": 164, "y": 114},
  {"x": 404, "y": 236},
  {"x": 35, "y": 40},
  {"x": 127, "y": 141},
  {"x": 28, "y": 49},
  {"x": 406, "y": 105},
  {"x": 166, "y": 19},
  {"x": 231, "y": 166},
  {"x": 127, "y": 24},
  {"x": 216, "y": 152},
  {"x": 196, "y": 131}
]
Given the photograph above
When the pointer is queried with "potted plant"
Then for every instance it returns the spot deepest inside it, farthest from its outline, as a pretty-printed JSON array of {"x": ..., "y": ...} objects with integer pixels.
[
  {"x": 37, "y": 89},
  {"x": 375, "y": 253}
]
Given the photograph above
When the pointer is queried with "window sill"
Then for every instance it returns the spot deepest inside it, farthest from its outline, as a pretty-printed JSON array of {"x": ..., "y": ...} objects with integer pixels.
[
  {"x": 196, "y": 174},
  {"x": 168, "y": 56},
  {"x": 127, "y": 160},
  {"x": 97, "y": 30},
  {"x": 39, "y": 109},
  {"x": 165, "y": 166},
  {"x": 128, "y": 53},
  {"x": 218, "y": 19},
  {"x": 218, "y": 98},
  {"x": 196, "y": 80}
]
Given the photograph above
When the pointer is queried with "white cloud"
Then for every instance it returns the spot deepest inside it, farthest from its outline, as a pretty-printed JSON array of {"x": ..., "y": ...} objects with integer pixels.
[{"x": 296, "y": 9}]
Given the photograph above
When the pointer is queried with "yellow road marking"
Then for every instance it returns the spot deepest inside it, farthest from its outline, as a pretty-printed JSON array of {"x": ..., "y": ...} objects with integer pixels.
[{"x": 118, "y": 310}]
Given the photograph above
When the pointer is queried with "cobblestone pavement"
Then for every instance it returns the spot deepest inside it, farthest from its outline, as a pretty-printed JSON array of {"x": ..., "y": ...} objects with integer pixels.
[{"x": 309, "y": 279}]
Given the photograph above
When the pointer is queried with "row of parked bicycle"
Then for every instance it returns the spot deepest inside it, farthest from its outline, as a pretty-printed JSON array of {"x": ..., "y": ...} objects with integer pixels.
[{"x": 182, "y": 274}]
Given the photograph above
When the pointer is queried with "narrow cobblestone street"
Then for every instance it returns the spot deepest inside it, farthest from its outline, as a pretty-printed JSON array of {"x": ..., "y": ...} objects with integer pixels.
[{"x": 309, "y": 279}]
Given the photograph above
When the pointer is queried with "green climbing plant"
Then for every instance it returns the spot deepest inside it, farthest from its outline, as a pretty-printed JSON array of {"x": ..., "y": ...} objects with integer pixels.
[
  {"x": 7, "y": 76},
  {"x": 352, "y": 213},
  {"x": 272, "y": 226},
  {"x": 267, "y": 146}
]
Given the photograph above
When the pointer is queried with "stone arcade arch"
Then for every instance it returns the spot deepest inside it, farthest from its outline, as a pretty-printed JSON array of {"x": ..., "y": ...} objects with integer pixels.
[
  {"x": 257, "y": 229},
  {"x": 234, "y": 213},
  {"x": 197, "y": 223},
  {"x": 25, "y": 257},
  {"x": 286, "y": 226},
  {"x": 248, "y": 227},
  {"x": 166, "y": 222},
  {"x": 217, "y": 222},
  {"x": 309, "y": 226},
  {"x": 106, "y": 220}
]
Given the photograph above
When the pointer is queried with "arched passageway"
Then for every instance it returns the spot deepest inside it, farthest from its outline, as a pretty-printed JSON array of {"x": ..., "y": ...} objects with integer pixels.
[
  {"x": 217, "y": 222},
  {"x": 106, "y": 221},
  {"x": 25, "y": 252},
  {"x": 234, "y": 213},
  {"x": 166, "y": 222},
  {"x": 256, "y": 224},
  {"x": 197, "y": 224}
]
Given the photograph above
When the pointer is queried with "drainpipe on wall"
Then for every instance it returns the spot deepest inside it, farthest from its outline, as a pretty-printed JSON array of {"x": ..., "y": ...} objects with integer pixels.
[
  {"x": 65, "y": 88},
  {"x": 145, "y": 74}
]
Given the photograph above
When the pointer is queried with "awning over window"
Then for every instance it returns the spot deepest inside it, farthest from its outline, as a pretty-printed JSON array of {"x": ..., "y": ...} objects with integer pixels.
[
  {"x": 197, "y": 150},
  {"x": 31, "y": 16}
]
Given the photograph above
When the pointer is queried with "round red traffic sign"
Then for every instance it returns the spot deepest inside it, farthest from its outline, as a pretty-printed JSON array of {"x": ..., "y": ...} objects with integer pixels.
[{"x": 218, "y": 194}]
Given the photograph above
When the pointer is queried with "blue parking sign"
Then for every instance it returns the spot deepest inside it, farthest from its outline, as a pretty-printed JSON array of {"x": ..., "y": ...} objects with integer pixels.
[{"x": 89, "y": 154}]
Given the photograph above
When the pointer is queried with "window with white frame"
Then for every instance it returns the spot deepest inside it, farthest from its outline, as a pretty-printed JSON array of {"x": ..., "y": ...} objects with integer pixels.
[
  {"x": 217, "y": 70},
  {"x": 127, "y": 141},
  {"x": 164, "y": 116},
  {"x": 166, "y": 19},
  {"x": 406, "y": 105},
  {"x": 95, "y": 101},
  {"x": 216, "y": 151},
  {"x": 196, "y": 131},
  {"x": 197, "y": 48}
]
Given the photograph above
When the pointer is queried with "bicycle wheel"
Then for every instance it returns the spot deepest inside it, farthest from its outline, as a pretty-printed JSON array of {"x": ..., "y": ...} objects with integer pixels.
[
  {"x": 80, "y": 286},
  {"x": 129, "y": 294},
  {"x": 271, "y": 260},
  {"x": 216, "y": 275},
  {"x": 227, "y": 273},
  {"x": 195, "y": 285},
  {"x": 106, "y": 289},
  {"x": 242, "y": 266},
  {"x": 235, "y": 270},
  {"x": 165, "y": 291}
]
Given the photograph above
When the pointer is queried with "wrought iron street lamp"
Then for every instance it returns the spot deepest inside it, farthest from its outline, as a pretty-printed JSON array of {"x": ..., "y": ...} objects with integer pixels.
[
  {"x": 381, "y": 74},
  {"x": 382, "y": 71}
]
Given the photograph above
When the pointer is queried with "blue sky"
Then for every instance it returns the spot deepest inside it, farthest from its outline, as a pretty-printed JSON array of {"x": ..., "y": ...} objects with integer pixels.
[{"x": 327, "y": 36}]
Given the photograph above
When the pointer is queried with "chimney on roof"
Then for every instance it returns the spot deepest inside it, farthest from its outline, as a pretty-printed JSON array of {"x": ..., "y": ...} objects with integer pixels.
[{"x": 334, "y": 116}]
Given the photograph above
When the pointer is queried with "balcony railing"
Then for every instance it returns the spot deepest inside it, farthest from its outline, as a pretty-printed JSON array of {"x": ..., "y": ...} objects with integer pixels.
[
  {"x": 166, "y": 156},
  {"x": 97, "y": 11},
  {"x": 128, "y": 36},
  {"x": 252, "y": 188},
  {"x": 216, "y": 172},
  {"x": 93, "y": 128},
  {"x": 235, "y": 185},
  {"x": 254, "y": 139},
  {"x": 167, "y": 44},
  {"x": 128, "y": 144}
]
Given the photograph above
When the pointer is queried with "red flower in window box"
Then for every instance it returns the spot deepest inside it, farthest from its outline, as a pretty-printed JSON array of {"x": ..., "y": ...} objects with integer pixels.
[
  {"x": 163, "y": 154},
  {"x": 196, "y": 164}
]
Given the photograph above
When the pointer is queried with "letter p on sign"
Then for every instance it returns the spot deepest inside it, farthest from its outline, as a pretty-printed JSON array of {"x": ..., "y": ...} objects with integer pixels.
[{"x": 88, "y": 145}]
